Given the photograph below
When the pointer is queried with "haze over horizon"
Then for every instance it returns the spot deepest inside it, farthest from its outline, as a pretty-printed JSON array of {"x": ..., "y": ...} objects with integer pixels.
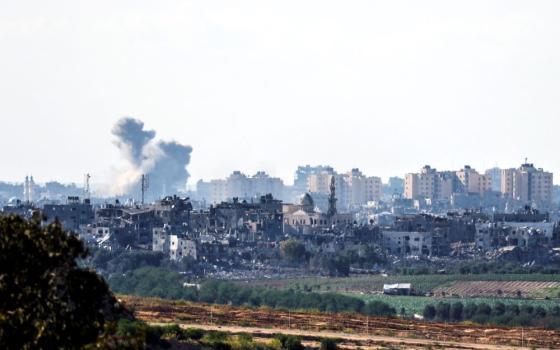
[{"x": 383, "y": 86}]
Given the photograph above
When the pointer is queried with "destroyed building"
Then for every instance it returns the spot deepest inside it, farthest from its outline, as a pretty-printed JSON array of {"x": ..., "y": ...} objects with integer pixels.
[
  {"x": 72, "y": 215},
  {"x": 418, "y": 235},
  {"x": 525, "y": 228}
]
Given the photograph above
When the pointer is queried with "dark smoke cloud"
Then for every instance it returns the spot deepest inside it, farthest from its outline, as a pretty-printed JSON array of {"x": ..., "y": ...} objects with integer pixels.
[
  {"x": 131, "y": 138},
  {"x": 170, "y": 168},
  {"x": 164, "y": 161}
]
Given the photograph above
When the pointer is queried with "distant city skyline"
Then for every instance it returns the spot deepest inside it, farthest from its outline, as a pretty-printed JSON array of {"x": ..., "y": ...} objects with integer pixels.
[
  {"x": 290, "y": 180},
  {"x": 386, "y": 87}
]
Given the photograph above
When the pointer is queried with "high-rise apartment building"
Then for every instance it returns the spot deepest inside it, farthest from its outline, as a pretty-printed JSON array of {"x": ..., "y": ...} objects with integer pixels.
[
  {"x": 241, "y": 186},
  {"x": 353, "y": 189},
  {"x": 473, "y": 182},
  {"x": 528, "y": 185},
  {"x": 441, "y": 185},
  {"x": 496, "y": 175}
]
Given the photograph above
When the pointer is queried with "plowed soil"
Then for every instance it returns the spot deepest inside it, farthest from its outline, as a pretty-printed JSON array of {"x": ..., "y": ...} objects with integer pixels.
[{"x": 417, "y": 333}]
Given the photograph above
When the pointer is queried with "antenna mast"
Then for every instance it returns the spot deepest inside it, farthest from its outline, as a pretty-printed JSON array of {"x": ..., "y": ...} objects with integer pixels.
[{"x": 145, "y": 184}]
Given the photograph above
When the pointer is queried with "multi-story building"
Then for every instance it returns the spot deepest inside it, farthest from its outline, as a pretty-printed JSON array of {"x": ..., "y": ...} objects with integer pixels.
[
  {"x": 302, "y": 175},
  {"x": 496, "y": 175},
  {"x": 395, "y": 187},
  {"x": 319, "y": 182},
  {"x": 72, "y": 215},
  {"x": 177, "y": 246},
  {"x": 473, "y": 182},
  {"x": 441, "y": 185},
  {"x": 214, "y": 191},
  {"x": 353, "y": 189},
  {"x": 528, "y": 185},
  {"x": 239, "y": 185},
  {"x": 362, "y": 189},
  {"x": 262, "y": 184},
  {"x": 181, "y": 247},
  {"x": 318, "y": 186},
  {"x": 425, "y": 184}
]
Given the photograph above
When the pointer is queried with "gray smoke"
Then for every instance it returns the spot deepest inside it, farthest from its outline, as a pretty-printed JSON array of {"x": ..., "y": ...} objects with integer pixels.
[
  {"x": 165, "y": 162},
  {"x": 131, "y": 138}
]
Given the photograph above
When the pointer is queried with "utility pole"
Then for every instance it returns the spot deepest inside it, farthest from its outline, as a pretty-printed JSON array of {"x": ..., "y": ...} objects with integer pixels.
[{"x": 145, "y": 184}]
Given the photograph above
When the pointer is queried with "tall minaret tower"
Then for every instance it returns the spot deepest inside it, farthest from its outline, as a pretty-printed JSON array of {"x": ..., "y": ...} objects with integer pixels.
[
  {"x": 332, "y": 199},
  {"x": 31, "y": 189},
  {"x": 26, "y": 197}
]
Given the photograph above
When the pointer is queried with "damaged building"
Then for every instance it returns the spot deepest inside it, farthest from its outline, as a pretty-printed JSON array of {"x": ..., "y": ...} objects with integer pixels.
[{"x": 526, "y": 229}]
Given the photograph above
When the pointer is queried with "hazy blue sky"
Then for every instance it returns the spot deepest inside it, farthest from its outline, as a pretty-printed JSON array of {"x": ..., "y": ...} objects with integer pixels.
[{"x": 385, "y": 86}]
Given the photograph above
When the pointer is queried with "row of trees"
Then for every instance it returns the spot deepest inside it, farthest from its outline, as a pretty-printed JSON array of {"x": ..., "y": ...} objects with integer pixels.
[
  {"x": 151, "y": 281},
  {"x": 497, "y": 314}
]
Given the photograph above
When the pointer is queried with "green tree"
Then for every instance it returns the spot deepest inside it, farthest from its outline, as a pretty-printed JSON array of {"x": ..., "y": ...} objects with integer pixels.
[
  {"x": 483, "y": 309},
  {"x": 328, "y": 344},
  {"x": 429, "y": 312},
  {"x": 293, "y": 250},
  {"x": 46, "y": 300},
  {"x": 443, "y": 311},
  {"x": 457, "y": 311}
]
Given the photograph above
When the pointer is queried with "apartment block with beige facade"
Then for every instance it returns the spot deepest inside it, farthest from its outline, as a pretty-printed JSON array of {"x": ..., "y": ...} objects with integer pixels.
[
  {"x": 474, "y": 182},
  {"x": 428, "y": 183},
  {"x": 441, "y": 185},
  {"x": 240, "y": 185},
  {"x": 353, "y": 188},
  {"x": 528, "y": 184}
]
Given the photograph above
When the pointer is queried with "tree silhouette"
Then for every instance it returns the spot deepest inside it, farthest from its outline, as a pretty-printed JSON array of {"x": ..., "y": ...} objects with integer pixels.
[{"x": 46, "y": 300}]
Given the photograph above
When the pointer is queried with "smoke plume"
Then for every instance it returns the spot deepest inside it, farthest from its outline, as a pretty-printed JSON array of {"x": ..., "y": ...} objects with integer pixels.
[
  {"x": 165, "y": 162},
  {"x": 131, "y": 139}
]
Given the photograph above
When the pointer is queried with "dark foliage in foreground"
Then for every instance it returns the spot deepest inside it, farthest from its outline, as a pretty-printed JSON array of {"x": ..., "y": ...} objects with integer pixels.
[{"x": 46, "y": 300}]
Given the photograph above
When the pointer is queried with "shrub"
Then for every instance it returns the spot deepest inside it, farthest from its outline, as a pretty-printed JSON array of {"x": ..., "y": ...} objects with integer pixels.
[{"x": 328, "y": 344}]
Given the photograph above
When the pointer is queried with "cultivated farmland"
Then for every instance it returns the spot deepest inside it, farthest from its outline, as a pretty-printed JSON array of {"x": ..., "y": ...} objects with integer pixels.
[
  {"x": 512, "y": 289},
  {"x": 376, "y": 331},
  {"x": 374, "y": 283}
]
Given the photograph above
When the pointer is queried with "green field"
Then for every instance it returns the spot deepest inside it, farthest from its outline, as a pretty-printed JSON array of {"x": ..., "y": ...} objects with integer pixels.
[
  {"x": 374, "y": 283},
  {"x": 413, "y": 304}
]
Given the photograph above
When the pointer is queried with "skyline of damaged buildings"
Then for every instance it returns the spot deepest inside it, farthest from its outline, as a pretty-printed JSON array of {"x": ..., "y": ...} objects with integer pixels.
[
  {"x": 498, "y": 189},
  {"x": 328, "y": 212},
  {"x": 504, "y": 189}
]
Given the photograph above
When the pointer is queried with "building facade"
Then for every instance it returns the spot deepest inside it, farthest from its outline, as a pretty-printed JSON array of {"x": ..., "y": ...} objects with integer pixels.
[{"x": 528, "y": 185}]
